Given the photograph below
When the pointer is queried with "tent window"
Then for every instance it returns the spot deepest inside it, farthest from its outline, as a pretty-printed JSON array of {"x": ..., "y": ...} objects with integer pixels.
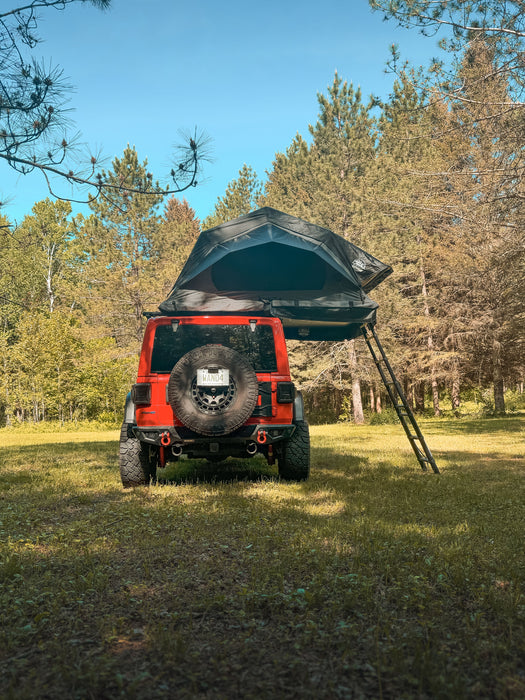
[{"x": 269, "y": 267}]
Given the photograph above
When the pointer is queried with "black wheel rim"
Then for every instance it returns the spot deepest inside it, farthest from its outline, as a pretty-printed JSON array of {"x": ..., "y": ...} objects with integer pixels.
[{"x": 211, "y": 400}]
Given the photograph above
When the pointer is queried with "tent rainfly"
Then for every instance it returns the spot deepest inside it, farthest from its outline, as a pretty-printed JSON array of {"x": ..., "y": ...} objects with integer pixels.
[{"x": 272, "y": 264}]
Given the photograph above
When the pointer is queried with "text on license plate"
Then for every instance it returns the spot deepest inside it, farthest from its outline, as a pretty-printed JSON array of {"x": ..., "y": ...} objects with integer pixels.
[{"x": 219, "y": 378}]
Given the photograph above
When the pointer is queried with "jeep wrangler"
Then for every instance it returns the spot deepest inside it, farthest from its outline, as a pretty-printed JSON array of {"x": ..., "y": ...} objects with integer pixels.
[{"x": 213, "y": 387}]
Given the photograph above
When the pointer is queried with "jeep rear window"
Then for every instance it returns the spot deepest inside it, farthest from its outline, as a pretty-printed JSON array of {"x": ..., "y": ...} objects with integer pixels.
[{"x": 257, "y": 346}]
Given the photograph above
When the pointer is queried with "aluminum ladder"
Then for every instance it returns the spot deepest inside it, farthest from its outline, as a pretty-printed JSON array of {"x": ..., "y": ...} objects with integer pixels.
[{"x": 399, "y": 400}]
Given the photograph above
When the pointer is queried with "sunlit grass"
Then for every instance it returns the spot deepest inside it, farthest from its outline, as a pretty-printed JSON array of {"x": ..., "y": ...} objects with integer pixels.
[
  {"x": 21, "y": 438},
  {"x": 372, "y": 579}
]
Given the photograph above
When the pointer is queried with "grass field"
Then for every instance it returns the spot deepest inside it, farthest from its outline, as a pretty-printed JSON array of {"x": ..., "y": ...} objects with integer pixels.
[{"x": 371, "y": 580}]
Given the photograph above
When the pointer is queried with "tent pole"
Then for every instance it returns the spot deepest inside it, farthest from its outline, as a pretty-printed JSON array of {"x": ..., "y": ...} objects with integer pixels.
[{"x": 399, "y": 400}]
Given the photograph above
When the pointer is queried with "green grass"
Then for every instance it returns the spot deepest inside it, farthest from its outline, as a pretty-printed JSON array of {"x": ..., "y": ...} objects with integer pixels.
[{"x": 371, "y": 580}]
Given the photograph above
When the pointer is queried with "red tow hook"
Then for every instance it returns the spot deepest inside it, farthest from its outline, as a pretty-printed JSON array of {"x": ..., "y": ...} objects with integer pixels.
[
  {"x": 165, "y": 441},
  {"x": 262, "y": 437}
]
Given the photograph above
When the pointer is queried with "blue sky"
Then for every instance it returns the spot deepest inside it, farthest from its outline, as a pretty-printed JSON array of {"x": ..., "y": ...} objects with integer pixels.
[{"x": 246, "y": 74}]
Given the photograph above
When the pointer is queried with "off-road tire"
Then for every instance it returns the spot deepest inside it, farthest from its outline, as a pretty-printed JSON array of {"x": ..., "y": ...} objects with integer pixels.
[
  {"x": 242, "y": 393},
  {"x": 294, "y": 456},
  {"x": 137, "y": 466}
]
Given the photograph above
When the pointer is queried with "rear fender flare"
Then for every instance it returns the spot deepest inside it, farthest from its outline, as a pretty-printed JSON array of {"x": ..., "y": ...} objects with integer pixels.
[
  {"x": 298, "y": 407},
  {"x": 129, "y": 410}
]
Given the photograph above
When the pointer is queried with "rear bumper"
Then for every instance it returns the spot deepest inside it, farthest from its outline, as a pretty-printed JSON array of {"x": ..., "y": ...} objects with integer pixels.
[
  {"x": 263, "y": 434},
  {"x": 247, "y": 441}
]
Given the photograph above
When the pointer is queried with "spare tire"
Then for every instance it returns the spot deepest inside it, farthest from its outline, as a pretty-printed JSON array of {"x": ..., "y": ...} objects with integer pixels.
[{"x": 213, "y": 411}]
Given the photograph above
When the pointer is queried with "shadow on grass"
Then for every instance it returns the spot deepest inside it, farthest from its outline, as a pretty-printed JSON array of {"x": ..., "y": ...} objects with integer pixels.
[
  {"x": 195, "y": 471},
  {"x": 466, "y": 426},
  {"x": 390, "y": 574},
  {"x": 59, "y": 453}
]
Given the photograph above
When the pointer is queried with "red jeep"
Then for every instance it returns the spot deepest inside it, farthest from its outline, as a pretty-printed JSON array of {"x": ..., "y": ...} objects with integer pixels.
[{"x": 213, "y": 387}]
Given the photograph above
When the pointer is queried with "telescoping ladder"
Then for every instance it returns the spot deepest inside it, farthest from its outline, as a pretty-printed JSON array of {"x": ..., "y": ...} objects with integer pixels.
[{"x": 399, "y": 400}]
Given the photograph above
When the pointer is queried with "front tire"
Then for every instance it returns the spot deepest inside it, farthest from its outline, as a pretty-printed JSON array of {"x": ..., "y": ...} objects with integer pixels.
[
  {"x": 294, "y": 458},
  {"x": 138, "y": 467}
]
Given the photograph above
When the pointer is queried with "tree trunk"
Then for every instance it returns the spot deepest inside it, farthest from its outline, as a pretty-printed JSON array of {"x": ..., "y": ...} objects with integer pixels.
[
  {"x": 8, "y": 407},
  {"x": 455, "y": 395},
  {"x": 357, "y": 403},
  {"x": 430, "y": 339},
  {"x": 419, "y": 395},
  {"x": 435, "y": 397},
  {"x": 499, "y": 398},
  {"x": 49, "y": 276},
  {"x": 378, "y": 400},
  {"x": 408, "y": 392},
  {"x": 372, "y": 399}
]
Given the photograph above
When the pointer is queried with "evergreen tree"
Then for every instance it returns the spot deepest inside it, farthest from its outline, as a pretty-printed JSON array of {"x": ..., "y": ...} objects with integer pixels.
[
  {"x": 33, "y": 118},
  {"x": 175, "y": 237},
  {"x": 483, "y": 89},
  {"x": 118, "y": 246},
  {"x": 413, "y": 213},
  {"x": 488, "y": 239},
  {"x": 242, "y": 196},
  {"x": 291, "y": 182},
  {"x": 324, "y": 183}
]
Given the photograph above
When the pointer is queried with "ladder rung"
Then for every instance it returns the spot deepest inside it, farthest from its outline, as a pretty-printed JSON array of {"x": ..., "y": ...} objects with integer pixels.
[{"x": 396, "y": 394}]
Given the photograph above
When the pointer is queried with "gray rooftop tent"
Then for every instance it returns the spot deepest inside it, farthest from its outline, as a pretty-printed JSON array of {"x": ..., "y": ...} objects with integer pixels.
[{"x": 271, "y": 263}]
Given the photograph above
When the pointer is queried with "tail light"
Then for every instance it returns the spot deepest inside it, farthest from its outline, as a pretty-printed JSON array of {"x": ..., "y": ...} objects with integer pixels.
[
  {"x": 141, "y": 394},
  {"x": 285, "y": 392}
]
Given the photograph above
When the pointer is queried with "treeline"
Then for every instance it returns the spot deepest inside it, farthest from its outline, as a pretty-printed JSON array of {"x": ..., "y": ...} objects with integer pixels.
[
  {"x": 429, "y": 181},
  {"x": 72, "y": 295}
]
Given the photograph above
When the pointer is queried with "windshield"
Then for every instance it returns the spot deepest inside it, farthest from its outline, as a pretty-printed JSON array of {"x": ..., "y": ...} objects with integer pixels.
[{"x": 257, "y": 345}]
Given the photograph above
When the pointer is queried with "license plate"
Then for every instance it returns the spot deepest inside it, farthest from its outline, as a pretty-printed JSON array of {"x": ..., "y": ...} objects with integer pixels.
[{"x": 221, "y": 377}]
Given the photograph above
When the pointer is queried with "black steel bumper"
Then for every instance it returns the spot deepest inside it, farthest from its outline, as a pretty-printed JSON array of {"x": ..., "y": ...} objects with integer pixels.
[{"x": 168, "y": 436}]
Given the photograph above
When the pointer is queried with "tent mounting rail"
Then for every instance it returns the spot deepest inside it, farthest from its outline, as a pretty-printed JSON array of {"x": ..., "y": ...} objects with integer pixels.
[{"x": 399, "y": 400}]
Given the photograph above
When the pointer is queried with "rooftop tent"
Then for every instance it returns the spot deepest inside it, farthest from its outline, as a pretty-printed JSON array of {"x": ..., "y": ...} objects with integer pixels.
[{"x": 270, "y": 263}]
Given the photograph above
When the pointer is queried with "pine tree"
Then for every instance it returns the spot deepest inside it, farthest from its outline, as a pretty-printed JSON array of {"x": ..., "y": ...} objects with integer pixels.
[
  {"x": 413, "y": 212},
  {"x": 484, "y": 91},
  {"x": 33, "y": 117},
  {"x": 118, "y": 245},
  {"x": 242, "y": 196},
  {"x": 174, "y": 239},
  {"x": 323, "y": 182},
  {"x": 488, "y": 240}
]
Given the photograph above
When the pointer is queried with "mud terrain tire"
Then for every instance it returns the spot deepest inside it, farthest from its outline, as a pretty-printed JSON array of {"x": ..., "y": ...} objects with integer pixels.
[
  {"x": 231, "y": 411},
  {"x": 137, "y": 467},
  {"x": 294, "y": 457}
]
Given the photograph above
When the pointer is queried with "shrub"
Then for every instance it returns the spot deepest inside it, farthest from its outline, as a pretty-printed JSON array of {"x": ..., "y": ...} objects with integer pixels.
[{"x": 388, "y": 416}]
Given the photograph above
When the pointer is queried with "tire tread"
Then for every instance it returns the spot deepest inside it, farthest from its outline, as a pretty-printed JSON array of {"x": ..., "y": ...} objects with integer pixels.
[
  {"x": 135, "y": 466},
  {"x": 294, "y": 461}
]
